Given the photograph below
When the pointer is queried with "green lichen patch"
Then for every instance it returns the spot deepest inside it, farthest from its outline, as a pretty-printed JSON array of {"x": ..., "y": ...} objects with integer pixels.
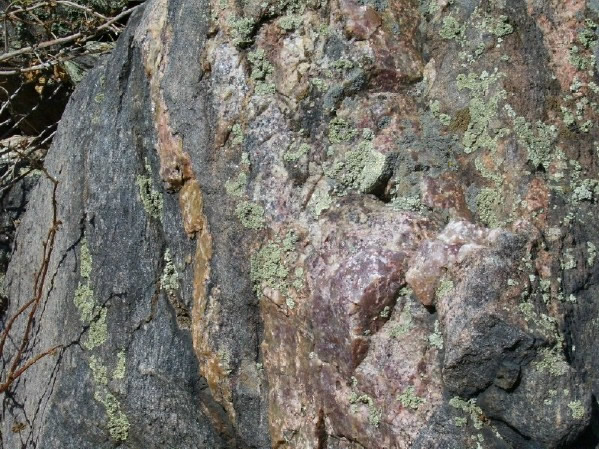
[
  {"x": 405, "y": 323},
  {"x": 150, "y": 198},
  {"x": 497, "y": 25},
  {"x": 85, "y": 303},
  {"x": 89, "y": 312},
  {"x": 580, "y": 60},
  {"x": 568, "y": 261},
  {"x": 236, "y": 187},
  {"x": 85, "y": 263},
  {"x": 409, "y": 203},
  {"x": 577, "y": 410},
  {"x": 251, "y": 215},
  {"x": 169, "y": 281},
  {"x": 97, "y": 334},
  {"x": 374, "y": 414},
  {"x": 290, "y": 22},
  {"x": 261, "y": 67},
  {"x": 237, "y": 134},
  {"x": 121, "y": 367},
  {"x": 452, "y": 29},
  {"x": 482, "y": 109},
  {"x": 295, "y": 152},
  {"x": 489, "y": 203},
  {"x": 274, "y": 267},
  {"x": 469, "y": 407},
  {"x": 588, "y": 36},
  {"x": 270, "y": 265},
  {"x": 360, "y": 170},
  {"x": 299, "y": 280},
  {"x": 99, "y": 371},
  {"x": 591, "y": 253},
  {"x": 436, "y": 338},
  {"x": 342, "y": 64},
  {"x": 262, "y": 71},
  {"x": 340, "y": 131},
  {"x": 263, "y": 88},
  {"x": 242, "y": 30},
  {"x": 118, "y": 423},
  {"x": 460, "y": 421},
  {"x": 319, "y": 202},
  {"x": 84, "y": 294},
  {"x": 430, "y": 7},
  {"x": 409, "y": 399},
  {"x": 585, "y": 190},
  {"x": 98, "y": 331},
  {"x": 552, "y": 361},
  {"x": 538, "y": 139},
  {"x": 444, "y": 288}
]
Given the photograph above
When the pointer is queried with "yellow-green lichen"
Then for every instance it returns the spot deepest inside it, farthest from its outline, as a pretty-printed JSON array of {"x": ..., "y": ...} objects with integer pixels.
[
  {"x": 405, "y": 323},
  {"x": 386, "y": 312},
  {"x": 489, "y": 203},
  {"x": 460, "y": 421},
  {"x": 242, "y": 30},
  {"x": 299, "y": 282},
  {"x": 585, "y": 190},
  {"x": 360, "y": 169},
  {"x": 251, "y": 215},
  {"x": 588, "y": 36},
  {"x": 552, "y": 361},
  {"x": 342, "y": 64},
  {"x": 374, "y": 414},
  {"x": 98, "y": 331},
  {"x": 319, "y": 202},
  {"x": 84, "y": 301},
  {"x": 236, "y": 187},
  {"x": 580, "y": 60},
  {"x": 237, "y": 134},
  {"x": 295, "y": 152},
  {"x": 97, "y": 334},
  {"x": 577, "y": 410},
  {"x": 262, "y": 71},
  {"x": 436, "y": 338},
  {"x": 591, "y": 253},
  {"x": 569, "y": 261},
  {"x": 85, "y": 263},
  {"x": 118, "y": 424},
  {"x": 411, "y": 203},
  {"x": 120, "y": 369},
  {"x": 270, "y": 266},
  {"x": 451, "y": 29},
  {"x": 150, "y": 198},
  {"x": 483, "y": 109},
  {"x": 290, "y": 22},
  {"x": 261, "y": 67},
  {"x": 474, "y": 411},
  {"x": 537, "y": 139},
  {"x": 340, "y": 131},
  {"x": 169, "y": 281},
  {"x": 99, "y": 371},
  {"x": 497, "y": 25},
  {"x": 409, "y": 399},
  {"x": 444, "y": 287}
]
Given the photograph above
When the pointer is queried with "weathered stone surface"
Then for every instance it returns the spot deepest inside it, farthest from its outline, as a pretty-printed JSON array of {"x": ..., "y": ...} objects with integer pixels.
[{"x": 345, "y": 224}]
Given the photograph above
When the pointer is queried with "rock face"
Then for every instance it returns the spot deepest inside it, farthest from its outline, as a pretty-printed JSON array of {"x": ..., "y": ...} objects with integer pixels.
[{"x": 319, "y": 224}]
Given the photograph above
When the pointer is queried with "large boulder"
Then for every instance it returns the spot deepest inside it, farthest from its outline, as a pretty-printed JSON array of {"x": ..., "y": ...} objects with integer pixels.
[{"x": 321, "y": 224}]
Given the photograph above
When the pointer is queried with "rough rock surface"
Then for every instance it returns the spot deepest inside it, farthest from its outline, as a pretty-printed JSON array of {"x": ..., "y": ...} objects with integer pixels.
[{"x": 320, "y": 224}]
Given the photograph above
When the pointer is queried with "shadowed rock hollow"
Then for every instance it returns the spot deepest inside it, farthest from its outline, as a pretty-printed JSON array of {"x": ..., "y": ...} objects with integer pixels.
[{"x": 320, "y": 224}]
